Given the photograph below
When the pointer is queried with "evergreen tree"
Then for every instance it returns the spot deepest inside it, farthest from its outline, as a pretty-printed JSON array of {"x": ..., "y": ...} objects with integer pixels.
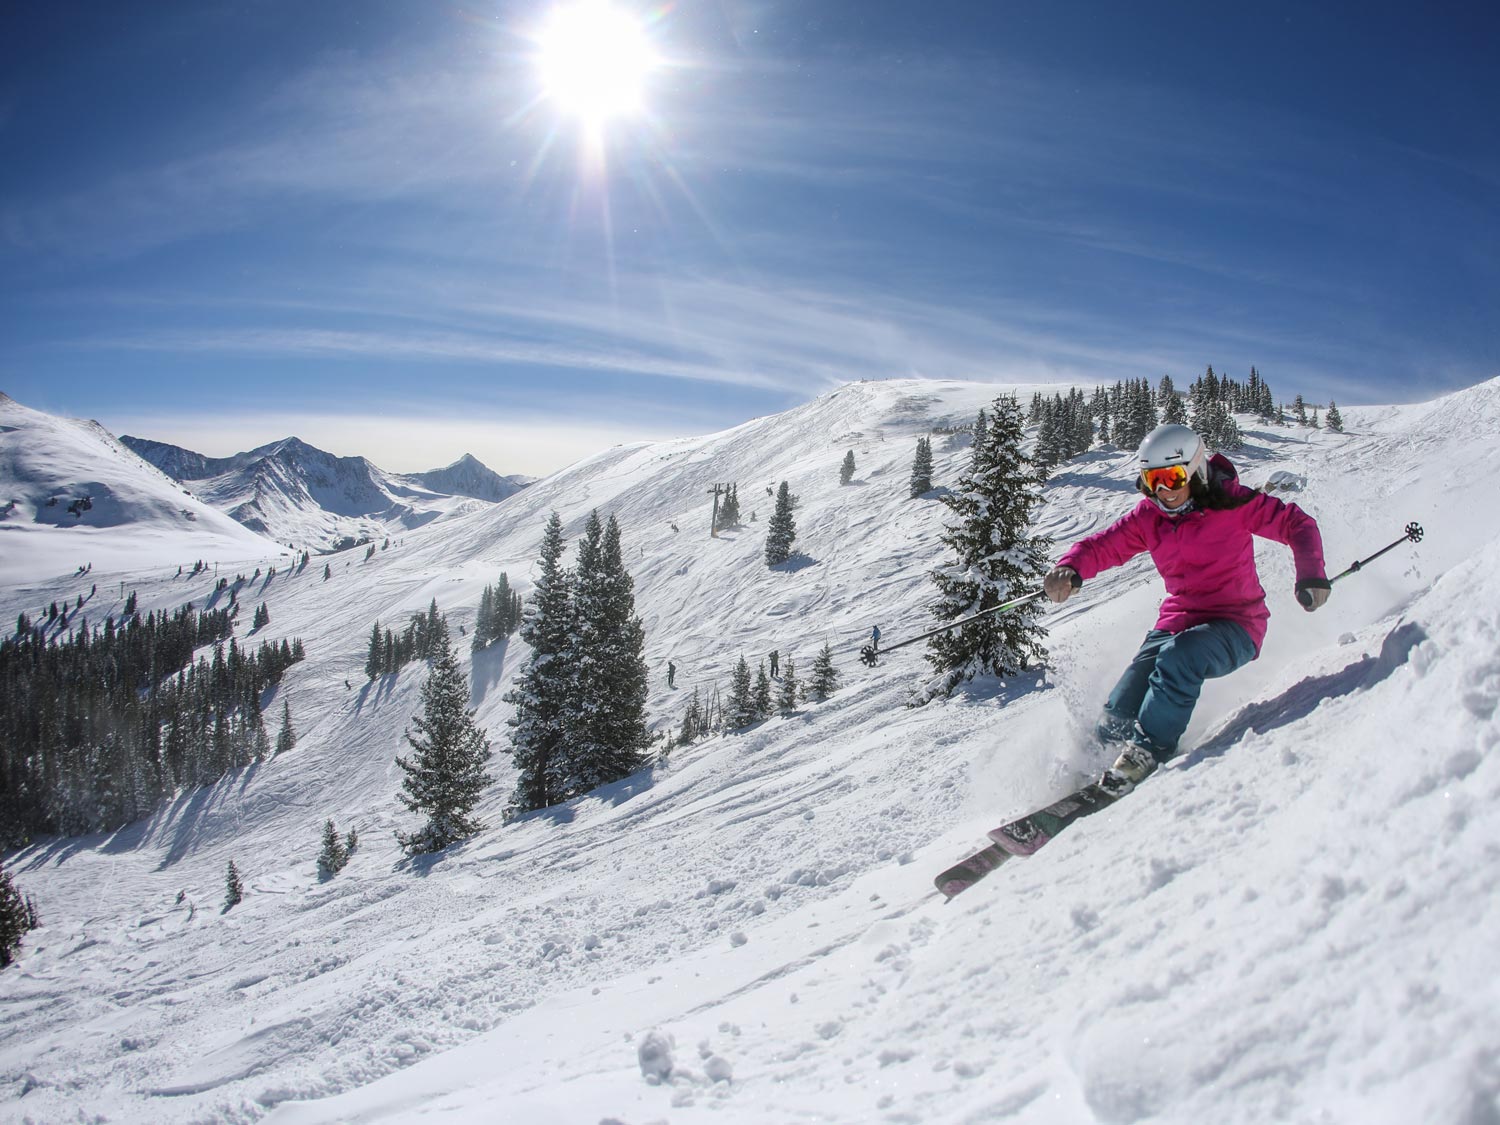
[
  {"x": 729, "y": 509},
  {"x": 351, "y": 843},
  {"x": 1333, "y": 418},
  {"x": 824, "y": 680},
  {"x": 997, "y": 559},
  {"x": 262, "y": 617},
  {"x": 692, "y": 720},
  {"x": 981, "y": 431},
  {"x": 1173, "y": 409},
  {"x": 761, "y": 696},
  {"x": 234, "y": 890},
  {"x": 17, "y": 918},
  {"x": 334, "y": 855},
  {"x": 741, "y": 697},
  {"x": 790, "y": 692},
  {"x": 781, "y": 530},
  {"x": 1299, "y": 410},
  {"x": 484, "y": 621},
  {"x": 375, "y": 655},
  {"x": 543, "y": 689},
  {"x": 607, "y": 737},
  {"x": 445, "y": 775},
  {"x": 1048, "y": 444},
  {"x": 921, "y": 469},
  {"x": 286, "y": 738},
  {"x": 846, "y": 470}
]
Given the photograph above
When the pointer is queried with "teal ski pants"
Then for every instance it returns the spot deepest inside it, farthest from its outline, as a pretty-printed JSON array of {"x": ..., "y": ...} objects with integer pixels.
[{"x": 1160, "y": 688}]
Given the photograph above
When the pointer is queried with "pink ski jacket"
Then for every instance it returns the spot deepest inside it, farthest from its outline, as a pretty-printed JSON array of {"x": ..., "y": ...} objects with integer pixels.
[{"x": 1206, "y": 556}]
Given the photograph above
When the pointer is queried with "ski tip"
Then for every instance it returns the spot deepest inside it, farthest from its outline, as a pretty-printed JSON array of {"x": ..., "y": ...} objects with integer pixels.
[{"x": 951, "y": 887}]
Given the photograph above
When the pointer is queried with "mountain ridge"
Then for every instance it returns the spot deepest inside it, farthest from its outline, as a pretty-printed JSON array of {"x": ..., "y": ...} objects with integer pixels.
[{"x": 296, "y": 493}]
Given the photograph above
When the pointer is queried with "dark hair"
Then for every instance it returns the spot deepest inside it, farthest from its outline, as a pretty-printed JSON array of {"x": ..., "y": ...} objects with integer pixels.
[{"x": 1214, "y": 497}]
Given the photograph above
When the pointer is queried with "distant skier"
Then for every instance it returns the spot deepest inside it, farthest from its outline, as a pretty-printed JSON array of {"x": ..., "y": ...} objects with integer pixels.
[
  {"x": 775, "y": 663},
  {"x": 1198, "y": 521},
  {"x": 875, "y": 639},
  {"x": 671, "y": 674}
]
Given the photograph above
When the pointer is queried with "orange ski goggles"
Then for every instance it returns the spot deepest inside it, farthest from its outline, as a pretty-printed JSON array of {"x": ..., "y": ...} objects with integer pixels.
[{"x": 1168, "y": 476}]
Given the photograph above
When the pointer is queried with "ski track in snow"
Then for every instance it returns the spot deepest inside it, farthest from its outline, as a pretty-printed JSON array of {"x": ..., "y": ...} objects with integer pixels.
[{"x": 1294, "y": 921}]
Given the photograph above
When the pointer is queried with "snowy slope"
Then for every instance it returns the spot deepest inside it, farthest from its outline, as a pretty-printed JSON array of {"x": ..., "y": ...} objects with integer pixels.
[
  {"x": 300, "y": 495},
  {"x": 1293, "y": 922},
  {"x": 70, "y": 495}
]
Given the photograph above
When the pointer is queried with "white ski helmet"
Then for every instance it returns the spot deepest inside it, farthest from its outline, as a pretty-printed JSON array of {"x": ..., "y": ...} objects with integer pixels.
[{"x": 1172, "y": 444}]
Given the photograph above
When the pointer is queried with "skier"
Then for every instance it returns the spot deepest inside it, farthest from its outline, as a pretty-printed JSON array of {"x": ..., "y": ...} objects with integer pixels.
[
  {"x": 671, "y": 674},
  {"x": 775, "y": 663},
  {"x": 1197, "y": 520},
  {"x": 875, "y": 637}
]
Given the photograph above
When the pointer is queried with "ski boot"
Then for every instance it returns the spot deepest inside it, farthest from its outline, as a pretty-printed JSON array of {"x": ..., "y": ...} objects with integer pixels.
[{"x": 1133, "y": 766}]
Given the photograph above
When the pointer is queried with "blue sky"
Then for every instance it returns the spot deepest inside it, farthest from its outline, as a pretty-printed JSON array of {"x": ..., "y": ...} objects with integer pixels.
[{"x": 362, "y": 222}]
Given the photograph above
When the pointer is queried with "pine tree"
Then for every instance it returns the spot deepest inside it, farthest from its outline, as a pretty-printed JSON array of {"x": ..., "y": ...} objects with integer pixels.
[
  {"x": 262, "y": 616},
  {"x": 484, "y": 620},
  {"x": 607, "y": 736},
  {"x": 781, "y": 530},
  {"x": 846, "y": 470},
  {"x": 692, "y": 720},
  {"x": 741, "y": 697},
  {"x": 286, "y": 738},
  {"x": 445, "y": 775},
  {"x": 761, "y": 695},
  {"x": 542, "y": 694},
  {"x": 824, "y": 680},
  {"x": 234, "y": 890},
  {"x": 334, "y": 855},
  {"x": 997, "y": 559},
  {"x": 17, "y": 917},
  {"x": 729, "y": 509},
  {"x": 375, "y": 655},
  {"x": 1333, "y": 418},
  {"x": 1299, "y": 410},
  {"x": 790, "y": 692},
  {"x": 921, "y": 469}
]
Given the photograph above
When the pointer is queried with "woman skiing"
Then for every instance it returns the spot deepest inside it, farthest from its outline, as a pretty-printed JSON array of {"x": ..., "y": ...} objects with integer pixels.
[{"x": 1198, "y": 522}]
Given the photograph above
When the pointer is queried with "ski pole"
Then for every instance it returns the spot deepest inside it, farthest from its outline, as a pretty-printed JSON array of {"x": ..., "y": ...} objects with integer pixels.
[
  {"x": 871, "y": 655},
  {"x": 1412, "y": 534}
]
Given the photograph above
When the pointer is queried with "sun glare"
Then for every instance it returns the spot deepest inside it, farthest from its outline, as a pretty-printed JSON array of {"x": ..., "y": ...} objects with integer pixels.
[{"x": 594, "y": 59}]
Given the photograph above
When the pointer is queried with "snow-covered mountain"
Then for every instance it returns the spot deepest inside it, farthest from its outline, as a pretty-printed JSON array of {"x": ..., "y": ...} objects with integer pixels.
[
  {"x": 301, "y": 496},
  {"x": 1295, "y": 921},
  {"x": 70, "y": 491}
]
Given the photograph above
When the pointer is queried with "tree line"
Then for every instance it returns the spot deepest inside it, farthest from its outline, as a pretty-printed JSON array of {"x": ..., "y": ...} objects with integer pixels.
[
  {"x": 97, "y": 727},
  {"x": 388, "y": 652}
]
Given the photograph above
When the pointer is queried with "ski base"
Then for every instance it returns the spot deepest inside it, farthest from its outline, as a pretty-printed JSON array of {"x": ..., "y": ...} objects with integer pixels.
[
  {"x": 964, "y": 874},
  {"x": 1024, "y": 836}
]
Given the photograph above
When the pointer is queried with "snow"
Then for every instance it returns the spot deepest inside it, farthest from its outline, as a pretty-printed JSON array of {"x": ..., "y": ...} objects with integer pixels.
[{"x": 1294, "y": 921}]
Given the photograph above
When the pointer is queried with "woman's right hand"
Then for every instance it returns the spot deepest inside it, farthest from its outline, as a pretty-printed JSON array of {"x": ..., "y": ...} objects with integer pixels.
[{"x": 1060, "y": 583}]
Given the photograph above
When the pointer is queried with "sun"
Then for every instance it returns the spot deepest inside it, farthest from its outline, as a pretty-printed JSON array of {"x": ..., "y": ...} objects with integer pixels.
[{"x": 594, "y": 61}]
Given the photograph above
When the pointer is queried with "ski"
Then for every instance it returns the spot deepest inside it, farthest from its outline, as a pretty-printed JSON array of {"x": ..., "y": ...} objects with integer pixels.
[
  {"x": 964, "y": 874},
  {"x": 1028, "y": 834},
  {"x": 1023, "y": 836}
]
